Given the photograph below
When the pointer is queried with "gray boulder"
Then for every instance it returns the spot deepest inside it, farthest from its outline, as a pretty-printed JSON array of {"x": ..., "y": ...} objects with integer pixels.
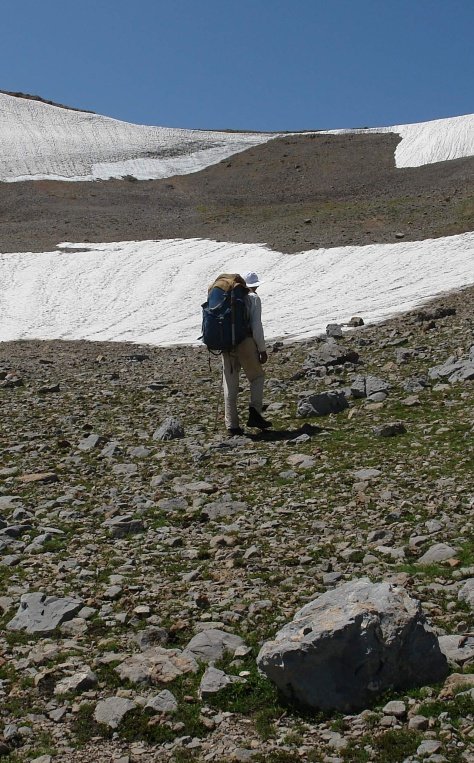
[
  {"x": 457, "y": 649},
  {"x": 334, "y": 330},
  {"x": 322, "y": 404},
  {"x": 369, "y": 386},
  {"x": 357, "y": 387},
  {"x": 390, "y": 429},
  {"x": 466, "y": 593},
  {"x": 156, "y": 665},
  {"x": 220, "y": 509},
  {"x": 212, "y": 644},
  {"x": 39, "y": 613},
  {"x": 440, "y": 552},
  {"x": 330, "y": 354},
  {"x": 163, "y": 702},
  {"x": 374, "y": 384},
  {"x": 123, "y": 525},
  {"x": 83, "y": 680},
  {"x": 112, "y": 711},
  {"x": 465, "y": 373},
  {"x": 455, "y": 369},
  {"x": 215, "y": 680},
  {"x": 352, "y": 644},
  {"x": 170, "y": 429}
]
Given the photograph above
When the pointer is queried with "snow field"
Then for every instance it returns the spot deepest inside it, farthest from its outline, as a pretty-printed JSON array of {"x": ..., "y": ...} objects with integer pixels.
[
  {"x": 39, "y": 141},
  {"x": 151, "y": 291},
  {"x": 428, "y": 142}
]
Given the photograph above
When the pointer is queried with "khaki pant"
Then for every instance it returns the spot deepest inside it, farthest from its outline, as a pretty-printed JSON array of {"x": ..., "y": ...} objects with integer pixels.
[{"x": 246, "y": 357}]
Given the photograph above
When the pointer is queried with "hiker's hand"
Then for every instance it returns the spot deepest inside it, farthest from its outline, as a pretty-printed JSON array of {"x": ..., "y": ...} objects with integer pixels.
[{"x": 263, "y": 357}]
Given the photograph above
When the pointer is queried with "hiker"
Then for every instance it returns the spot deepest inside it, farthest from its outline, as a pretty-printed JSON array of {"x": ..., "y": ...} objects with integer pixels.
[{"x": 250, "y": 354}]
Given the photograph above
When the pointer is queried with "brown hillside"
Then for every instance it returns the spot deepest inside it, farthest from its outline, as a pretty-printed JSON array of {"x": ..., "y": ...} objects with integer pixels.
[{"x": 294, "y": 193}]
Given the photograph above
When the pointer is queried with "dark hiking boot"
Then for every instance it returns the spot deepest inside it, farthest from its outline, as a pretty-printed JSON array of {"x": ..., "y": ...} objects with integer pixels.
[
  {"x": 256, "y": 420},
  {"x": 235, "y": 431}
]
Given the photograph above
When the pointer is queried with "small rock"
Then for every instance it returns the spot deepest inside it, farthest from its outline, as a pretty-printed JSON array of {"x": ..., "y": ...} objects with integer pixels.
[
  {"x": 334, "y": 330},
  {"x": 215, "y": 680},
  {"x": 440, "y": 552},
  {"x": 396, "y": 708},
  {"x": 418, "y": 723},
  {"x": 44, "y": 477},
  {"x": 466, "y": 593},
  {"x": 83, "y": 680},
  {"x": 90, "y": 442},
  {"x": 458, "y": 649},
  {"x": 170, "y": 429},
  {"x": 322, "y": 404},
  {"x": 389, "y": 430},
  {"x": 164, "y": 702},
  {"x": 112, "y": 711},
  {"x": 211, "y": 645},
  {"x": 156, "y": 665},
  {"x": 429, "y": 747}
]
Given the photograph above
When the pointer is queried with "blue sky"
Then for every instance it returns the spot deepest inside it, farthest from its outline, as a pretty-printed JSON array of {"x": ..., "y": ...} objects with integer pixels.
[{"x": 244, "y": 64}]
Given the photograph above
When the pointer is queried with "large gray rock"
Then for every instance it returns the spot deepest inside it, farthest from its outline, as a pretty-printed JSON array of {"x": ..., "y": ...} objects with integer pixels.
[
  {"x": 454, "y": 369},
  {"x": 366, "y": 386},
  {"x": 212, "y": 644},
  {"x": 39, "y": 613},
  {"x": 322, "y": 404},
  {"x": 350, "y": 645},
  {"x": 458, "y": 649}
]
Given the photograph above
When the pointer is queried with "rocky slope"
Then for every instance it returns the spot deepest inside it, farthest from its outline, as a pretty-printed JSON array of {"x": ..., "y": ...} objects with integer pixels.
[
  {"x": 294, "y": 193},
  {"x": 147, "y": 542}
]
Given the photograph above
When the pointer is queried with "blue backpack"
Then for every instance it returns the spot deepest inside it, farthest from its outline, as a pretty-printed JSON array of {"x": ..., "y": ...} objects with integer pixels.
[{"x": 225, "y": 320}]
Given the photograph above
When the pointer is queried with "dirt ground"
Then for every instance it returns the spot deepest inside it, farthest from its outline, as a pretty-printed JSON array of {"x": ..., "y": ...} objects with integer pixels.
[{"x": 294, "y": 193}]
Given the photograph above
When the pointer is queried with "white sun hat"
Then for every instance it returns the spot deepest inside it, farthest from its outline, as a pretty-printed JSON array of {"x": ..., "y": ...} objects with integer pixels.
[{"x": 251, "y": 280}]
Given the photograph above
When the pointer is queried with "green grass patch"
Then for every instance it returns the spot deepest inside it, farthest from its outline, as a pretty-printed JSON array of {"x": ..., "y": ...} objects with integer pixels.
[
  {"x": 457, "y": 709},
  {"x": 393, "y": 746}
]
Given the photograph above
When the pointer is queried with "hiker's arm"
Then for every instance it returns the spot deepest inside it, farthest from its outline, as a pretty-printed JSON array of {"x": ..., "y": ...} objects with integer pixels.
[{"x": 256, "y": 323}]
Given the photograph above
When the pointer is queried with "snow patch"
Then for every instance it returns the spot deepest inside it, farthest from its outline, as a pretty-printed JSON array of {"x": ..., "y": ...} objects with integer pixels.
[
  {"x": 151, "y": 291},
  {"x": 43, "y": 142},
  {"x": 428, "y": 142},
  {"x": 39, "y": 142}
]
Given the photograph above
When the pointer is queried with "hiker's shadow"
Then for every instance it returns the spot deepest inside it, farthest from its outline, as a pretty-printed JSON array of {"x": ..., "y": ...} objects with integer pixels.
[{"x": 276, "y": 435}]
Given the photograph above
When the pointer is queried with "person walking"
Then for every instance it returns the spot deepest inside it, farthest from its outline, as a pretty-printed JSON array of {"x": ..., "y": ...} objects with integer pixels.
[{"x": 250, "y": 355}]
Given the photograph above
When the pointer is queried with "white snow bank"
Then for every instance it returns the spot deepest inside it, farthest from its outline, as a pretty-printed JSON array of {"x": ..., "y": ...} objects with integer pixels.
[
  {"x": 39, "y": 141},
  {"x": 429, "y": 142},
  {"x": 151, "y": 291}
]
